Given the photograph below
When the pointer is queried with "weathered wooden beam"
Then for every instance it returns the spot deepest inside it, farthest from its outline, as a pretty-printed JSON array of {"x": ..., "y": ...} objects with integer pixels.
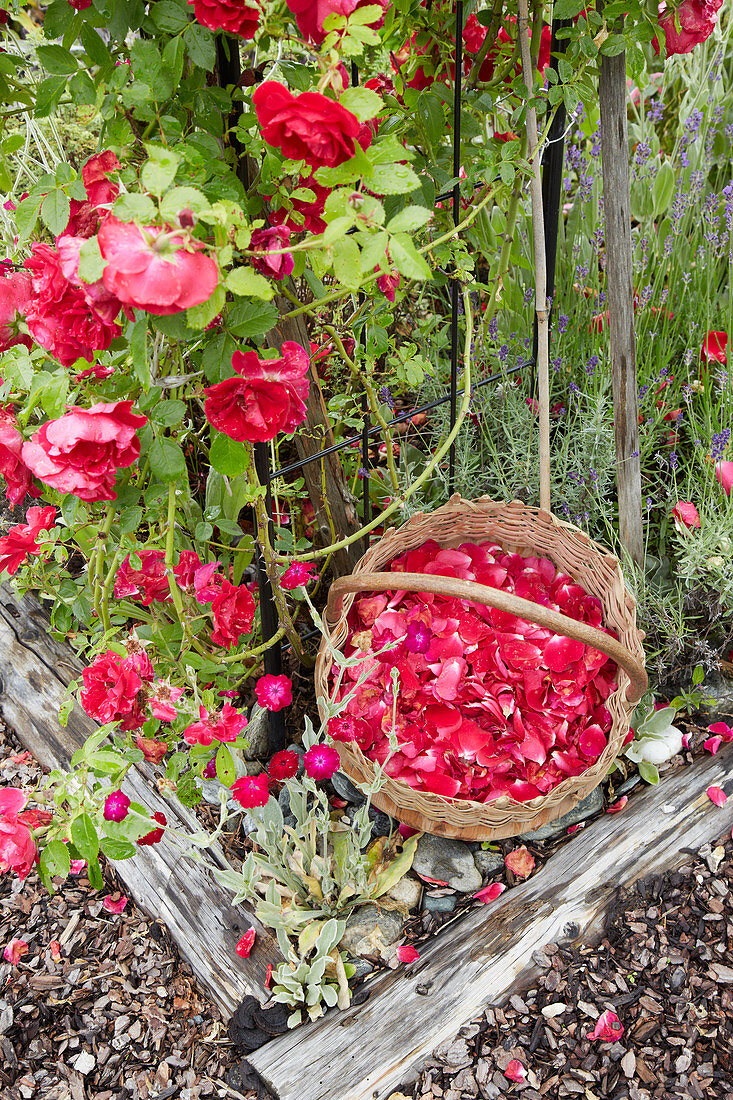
[
  {"x": 619, "y": 276},
  {"x": 35, "y": 670},
  {"x": 366, "y": 1052}
]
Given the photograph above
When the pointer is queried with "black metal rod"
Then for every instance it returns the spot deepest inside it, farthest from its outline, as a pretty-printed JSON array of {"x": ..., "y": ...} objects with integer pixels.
[
  {"x": 454, "y": 288},
  {"x": 352, "y": 440},
  {"x": 366, "y": 502},
  {"x": 268, "y": 609}
]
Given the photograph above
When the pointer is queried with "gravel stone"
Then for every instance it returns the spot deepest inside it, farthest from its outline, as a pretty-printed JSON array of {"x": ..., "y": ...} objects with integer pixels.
[
  {"x": 488, "y": 863},
  {"x": 371, "y": 931},
  {"x": 589, "y": 806},
  {"x": 450, "y": 861}
]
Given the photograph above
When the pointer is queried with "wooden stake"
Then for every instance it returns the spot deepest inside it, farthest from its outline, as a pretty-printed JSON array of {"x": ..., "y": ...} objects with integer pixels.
[
  {"x": 540, "y": 264},
  {"x": 617, "y": 210}
]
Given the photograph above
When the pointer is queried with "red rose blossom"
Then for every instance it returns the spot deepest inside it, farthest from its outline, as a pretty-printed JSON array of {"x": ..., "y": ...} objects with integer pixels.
[
  {"x": 161, "y": 271},
  {"x": 389, "y": 284},
  {"x": 148, "y": 582},
  {"x": 251, "y": 790},
  {"x": 17, "y": 847},
  {"x": 307, "y": 126},
  {"x": 152, "y": 750},
  {"x": 233, "y": 609},
  {"x": 20, "y": 541},
  {"x": 310, "y": 14},
  {"x": 265, "y": 397},
  {"x": 321, "y": 761},
  {"x": 64, "y": 318},
  {"x": 310, "y": 218},
  {"x": 233, "y": 16},
  {"x": 686, "y": 514},
  {"x": 284, "y": 765},
  {"x": 15, "y": 296},
  {"x": 110, "y": 691},
  {"x": 274, "y": 692},
  {"x": 224, "y": 726},
  {"x": 18, "y": 477},
  {"x": 274, "y": 264},
  {"x": 697, "y": 19},
  {"x": 82, "y": 451},
  {"x": 85, "y": 215},
  {"x": 714, "y": 348}
]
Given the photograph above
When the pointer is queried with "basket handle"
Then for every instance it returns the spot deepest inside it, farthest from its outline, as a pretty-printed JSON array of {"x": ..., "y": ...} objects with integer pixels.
[{"x": 502, "y": 601}]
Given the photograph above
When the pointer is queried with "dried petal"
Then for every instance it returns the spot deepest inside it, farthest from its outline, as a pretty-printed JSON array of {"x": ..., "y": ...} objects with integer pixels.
[
  {"x": 608, "y": 1028},
  {"x": 520, "y": 862},
  {"x": 490, "y": 892},
  {"x": 246, "y": 944},
  {"x": 407, "y": 953},
  {"x": 717, "y": 795}
]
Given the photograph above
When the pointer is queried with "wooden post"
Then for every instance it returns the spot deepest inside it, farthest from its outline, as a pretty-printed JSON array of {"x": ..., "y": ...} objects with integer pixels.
[{"x": 617, "y": 210}]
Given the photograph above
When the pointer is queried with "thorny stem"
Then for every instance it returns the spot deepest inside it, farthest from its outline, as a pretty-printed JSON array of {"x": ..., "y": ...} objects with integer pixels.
[
  {"x": 109, "y": 516},
  {"x": 172, "y": 584},
  {"x": 373, "y": 403},
  {"x": 434, "y": 461}
]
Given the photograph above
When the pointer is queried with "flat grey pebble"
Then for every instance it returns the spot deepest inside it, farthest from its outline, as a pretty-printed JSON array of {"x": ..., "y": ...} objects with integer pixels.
[
  {"x": 344, "y": 788},
  {"x": 445, "y": 904},
  {"x": 449, "y": 861}
]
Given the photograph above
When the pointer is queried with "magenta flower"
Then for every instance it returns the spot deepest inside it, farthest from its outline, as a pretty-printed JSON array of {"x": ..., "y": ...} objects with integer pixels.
[
  {"x": 274, "y": 692},
  {"x": 284, "y": 765},
  {"x": 14, "y": 951},
  {"x": 418, "y": 638},
  {"x": 116, "y": 806},
  {"x": 251, "y": 790},
  {"x": 321, "y": 761},
  {"x": 296, "y": 575}
]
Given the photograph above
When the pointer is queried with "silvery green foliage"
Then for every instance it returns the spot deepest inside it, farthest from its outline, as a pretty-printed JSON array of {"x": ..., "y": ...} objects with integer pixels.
[
  {"x": 656, "y": 739},
  {"x": 308, "y": 984}
]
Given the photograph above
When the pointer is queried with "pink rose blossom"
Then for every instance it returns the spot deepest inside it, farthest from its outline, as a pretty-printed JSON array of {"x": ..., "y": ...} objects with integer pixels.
[
  {"x": 161, "y": 271},
  {"x": 274, "y": 692},
  {"x": 389, "y": 284},
  {"x": 321, "y": 761},
  {"x": 608, "y": 1028},
  {"x": 714, "y": 348},
  {"x": 20, "y": 541},
  {"x": 724, "y": 474},
  {"x": 268, "y": 259},
  {"x": 18, "y": 477},
  {"x": 224, "y": 726},
  {"x": 155, "y": 835},
  {"x": 16, "y": 294},
  {"x": 14, "y": 951},
  {"x": 82, "y": 451},
  {"x": 697, "y": 21}
]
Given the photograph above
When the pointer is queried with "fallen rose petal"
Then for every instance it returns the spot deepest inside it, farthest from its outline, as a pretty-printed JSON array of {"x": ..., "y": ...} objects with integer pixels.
[
  {"x": 433, "y": 881},
  {"x": 722, "y": 730},
  {"x": 407, "y": 953},
  {"x": 268, "y": 976},
  {"x": 490, "y": 892},
  {"x": 717, "y": 795},
  {"x": 520, "y": 862},
  {"x": 685, "y": 740},
  {"x": 114, "y": 906},
  {"x": 515, "y": 1071},
  {"x": 618, "y": 806},
  {"x": 14, "y": 951},
  {"x": 406, "y": 831},
  {"x": 77, "y": 866},
  {"x": 712, "y": 744},
  {"x": 55, "y": 949},
  {"x": 574, "y": 828},
  {"x": 245, "y": 945},
  {"x": 608, "y": 1027}
]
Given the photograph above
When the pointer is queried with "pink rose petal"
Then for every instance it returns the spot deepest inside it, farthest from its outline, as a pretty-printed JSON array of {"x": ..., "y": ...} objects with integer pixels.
[
  {"x": 14, "y": 951},
  {"x": 717, "y": 795},
  {"x": 245, "y": 945},
  {"x": 114, "y": 906},
  {"x": 77, "y": 866},
  {"x": 712, "y": 744},
  {"x": 490, "y": 892},
  {"x": 608, "y": 1028},
  {"x": 407, "y": 953},
  {"x": 520, "y": 862},
  {"x": 723, "y": 730},
  {"x": 515, "y": 1071},
  {"x": 618, "y": 806}
]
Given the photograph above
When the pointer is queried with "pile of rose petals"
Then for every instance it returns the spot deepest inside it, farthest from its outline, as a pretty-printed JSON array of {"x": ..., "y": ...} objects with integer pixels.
[{"x": 488, "y": 704}]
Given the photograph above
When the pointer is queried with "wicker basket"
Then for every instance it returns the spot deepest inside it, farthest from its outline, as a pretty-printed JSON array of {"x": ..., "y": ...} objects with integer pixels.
[{"x": 524, "y": 530}]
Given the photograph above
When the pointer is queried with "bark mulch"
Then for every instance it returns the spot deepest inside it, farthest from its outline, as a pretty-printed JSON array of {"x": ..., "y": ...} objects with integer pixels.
[
  {"x": 662, "y": 966},
  {"x": 119, "y": 1017}
]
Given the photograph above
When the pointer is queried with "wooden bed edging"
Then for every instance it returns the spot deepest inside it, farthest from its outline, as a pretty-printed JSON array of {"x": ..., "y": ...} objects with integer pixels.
[
  {"x": 35, "y": 670},
  {"x": 365, "y": 1052}
]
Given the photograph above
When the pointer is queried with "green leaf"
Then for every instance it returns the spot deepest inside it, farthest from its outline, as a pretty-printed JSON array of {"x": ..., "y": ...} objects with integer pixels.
[
  {"x": 56, "y": 60},
  {"x": 183, "y": 198},
  {"x": 160, "y": 170},
  {"x": 567, "y": 9},
  {"x": 228, "y": 456},
  {"x": 130, "y": 520},
  {"x": 347, "y": 262},
  {"x": 248, "y": 319},
  {"x": 169, "y": 413},
  {"x": 55, "y": 212},
  {"x": 648, "y": 772},
  {"x": 138, "y": 335},
  {"x": 217, "y": 357},
  {"x": 94, "y": 874},
  {"x": 244, "y": 281},
  {"x": 200, "y": 45},
  {"x": 431, "y": 115},
  {"x": 117, "y": 849},
  {"x": 48, "y": 94},
  {"x": 698, "y": 675},
  {"x": 26, "y": 217},
  {"x": 407, "y": 259},
  {"x": 84, "y": 837},
  {"x": 226, "y": 772},
  {"x": 409, "y": 219},
  {"x": 174, "y": 55},
  {"x": 95, "y": 48},
  {"x": 168, "y": 16},
  {"x": 362, "y": 102},
  {"x": 393, "y": 179},
  {"x": 133, "y": 206},
  {"x": 202, "y": 315},
  {"x": 82, "y": 90},
  {"x": 663, "y": 188},
  {"x": 167, "y": 460},
  {"x": 55, "y": 859}
]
